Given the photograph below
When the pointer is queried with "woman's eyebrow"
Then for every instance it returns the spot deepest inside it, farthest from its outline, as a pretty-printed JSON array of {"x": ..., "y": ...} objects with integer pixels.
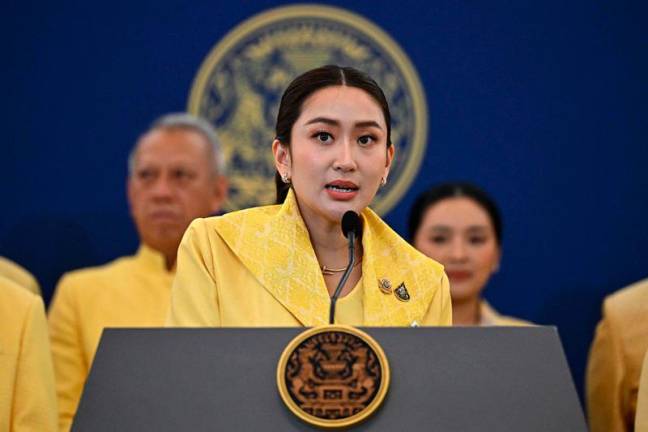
[
  {"x": 440, "y": 228},
  {"x": 477, "y": 228},
  {"x": 323, "y": 120},
  {"x": 368, "y": 123},
  {"x": 332, "y": 122}
]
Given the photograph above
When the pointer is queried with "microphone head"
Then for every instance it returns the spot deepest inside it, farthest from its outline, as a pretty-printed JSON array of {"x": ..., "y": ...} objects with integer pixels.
[{"x": 350, "y": 222}]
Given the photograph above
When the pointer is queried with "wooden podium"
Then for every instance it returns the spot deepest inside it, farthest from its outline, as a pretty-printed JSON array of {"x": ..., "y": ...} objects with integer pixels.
[{"x": 442, "y": 379}]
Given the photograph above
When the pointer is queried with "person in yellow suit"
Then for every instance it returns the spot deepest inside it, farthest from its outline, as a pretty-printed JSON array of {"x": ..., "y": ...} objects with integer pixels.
[
  {"x": 641, "y": 421},
  {"x": 279, "y": 265},
  {"x": 459, "y": 225},
  {"x": 615, "y": 360},
  {"x": 27, "y": 397},
  {"x": 18, "y": 274},
  {"x": 175, "y": 176}
]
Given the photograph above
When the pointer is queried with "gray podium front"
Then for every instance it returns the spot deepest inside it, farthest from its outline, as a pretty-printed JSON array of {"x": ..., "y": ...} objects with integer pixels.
[{"x": 442, "y": 379}]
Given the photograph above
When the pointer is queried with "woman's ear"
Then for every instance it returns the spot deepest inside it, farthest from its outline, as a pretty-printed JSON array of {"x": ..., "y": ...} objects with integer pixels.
[
  {"x": 388, "y": 161},
  {"x": 281, "y": 155}
]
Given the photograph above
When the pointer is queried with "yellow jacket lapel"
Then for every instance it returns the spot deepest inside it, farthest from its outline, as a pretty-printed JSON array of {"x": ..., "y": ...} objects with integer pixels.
[
  {"x": 274, "y": 245},
  {"x": 391, "y": 260}
]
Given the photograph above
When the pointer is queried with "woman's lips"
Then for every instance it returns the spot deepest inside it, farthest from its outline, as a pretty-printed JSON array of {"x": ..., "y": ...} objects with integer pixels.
[
  {"x": 459, "y": 275},
  {"x": 341, "y": 190}
]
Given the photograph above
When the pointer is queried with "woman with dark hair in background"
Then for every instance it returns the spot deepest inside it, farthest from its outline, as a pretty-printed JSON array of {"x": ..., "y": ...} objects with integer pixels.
[
  {"x": 459, "y": 225},
  {"x": 279, "y": 265}
]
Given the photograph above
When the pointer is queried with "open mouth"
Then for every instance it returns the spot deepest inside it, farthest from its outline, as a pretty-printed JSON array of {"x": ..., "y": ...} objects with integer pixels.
[{"x": 341, "y": 188}]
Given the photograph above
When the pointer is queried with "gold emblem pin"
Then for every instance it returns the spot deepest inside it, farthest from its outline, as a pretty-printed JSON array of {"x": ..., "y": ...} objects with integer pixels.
[
  {"x": 401, "y": 292},
  {"x": 385, "y": 286}
]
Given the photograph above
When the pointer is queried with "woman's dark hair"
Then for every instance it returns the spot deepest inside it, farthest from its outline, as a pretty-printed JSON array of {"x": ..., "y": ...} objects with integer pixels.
[
  {"x": 452, "y": 190},
  {"x": 308, "y": 83}
]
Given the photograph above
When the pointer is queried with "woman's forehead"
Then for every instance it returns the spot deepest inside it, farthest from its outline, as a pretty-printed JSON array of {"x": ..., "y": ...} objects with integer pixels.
[
  {"x": 342, "y": 104},
  {"x": 458, "y": 211}
]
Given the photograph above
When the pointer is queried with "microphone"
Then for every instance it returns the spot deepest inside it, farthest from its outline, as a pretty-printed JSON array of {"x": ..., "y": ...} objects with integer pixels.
[{"x": 351, "y": 229}]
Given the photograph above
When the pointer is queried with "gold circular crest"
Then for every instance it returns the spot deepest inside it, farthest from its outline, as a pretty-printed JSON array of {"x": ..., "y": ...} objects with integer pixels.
[
  {"x": 239, "y": 85},
  {"x": 333, "y": 376}
]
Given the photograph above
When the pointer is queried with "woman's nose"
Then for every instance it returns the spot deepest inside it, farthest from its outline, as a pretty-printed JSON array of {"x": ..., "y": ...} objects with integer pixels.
[
  {"x": 458, "y": 251},
  {"x": 344, "y": 157}
]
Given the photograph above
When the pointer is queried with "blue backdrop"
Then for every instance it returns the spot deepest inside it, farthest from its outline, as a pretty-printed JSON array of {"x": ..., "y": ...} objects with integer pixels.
[{"x": 543, "y": 104}]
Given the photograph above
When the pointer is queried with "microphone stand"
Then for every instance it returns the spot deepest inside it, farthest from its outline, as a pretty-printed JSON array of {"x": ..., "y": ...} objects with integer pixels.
[{"x": 345, "y": 276}]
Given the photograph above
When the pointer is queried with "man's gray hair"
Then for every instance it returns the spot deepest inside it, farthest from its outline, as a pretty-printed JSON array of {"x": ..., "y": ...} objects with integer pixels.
[{"x": 189, "y": 122}]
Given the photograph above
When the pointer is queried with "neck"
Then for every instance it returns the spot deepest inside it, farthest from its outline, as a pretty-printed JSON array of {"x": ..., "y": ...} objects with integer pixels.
[
  {"x": 169, "y": 255},
  {"x": 466, "y": 313},
  {"x": 170, "y": 261},
  {"x": 332, "y": 250},
  {"x": 330, "y": 246},
  {"x": 327, "y": 239}
]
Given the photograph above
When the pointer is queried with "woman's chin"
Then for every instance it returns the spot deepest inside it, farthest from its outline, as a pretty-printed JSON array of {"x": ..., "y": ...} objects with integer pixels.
[{"x": 336, "y": 211}]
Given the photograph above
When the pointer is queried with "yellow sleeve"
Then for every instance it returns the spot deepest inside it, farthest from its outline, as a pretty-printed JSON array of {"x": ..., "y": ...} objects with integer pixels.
[
  {"x": 604, "y": 380},
  {"x": 34, "y": 405},
  {"x": 440, "y": 311},
  {"x": 70, "y": 366},
  {"x": 641, "y": 421},
  {"x": 194, "y": 298}
]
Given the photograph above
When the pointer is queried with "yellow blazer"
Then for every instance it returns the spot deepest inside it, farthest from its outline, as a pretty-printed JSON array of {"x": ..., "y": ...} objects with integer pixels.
[
  {"x": 128, "y": 292},
  {"x": 27, "y": 399},
  {"x": 615, "y": 360},
  {"x": 490, "y": 317},
  {"x": 641, "y": 422},
  {"x": 19, "y": 275},
  {"x": 257, "y": 267}
]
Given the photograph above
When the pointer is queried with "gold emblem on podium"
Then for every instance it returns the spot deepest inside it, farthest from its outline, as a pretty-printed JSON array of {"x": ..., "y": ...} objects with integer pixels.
[{"x": 333, "y": 376}]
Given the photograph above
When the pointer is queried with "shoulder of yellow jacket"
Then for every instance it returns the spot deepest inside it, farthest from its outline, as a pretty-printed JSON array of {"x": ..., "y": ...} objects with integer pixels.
[
  {"x": 253, "y": 215},
  {"x": 104, "y": 271},
  {"x": 15, "y": 295},
  {"x": 628, "y": 302}
]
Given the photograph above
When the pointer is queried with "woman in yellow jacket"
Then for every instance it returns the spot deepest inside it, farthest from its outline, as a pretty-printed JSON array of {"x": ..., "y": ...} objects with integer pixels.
[
  {"x": 279, "y": 265},
  {"x": 27, "y": 398},
  {"x": 459, "y": 224}
]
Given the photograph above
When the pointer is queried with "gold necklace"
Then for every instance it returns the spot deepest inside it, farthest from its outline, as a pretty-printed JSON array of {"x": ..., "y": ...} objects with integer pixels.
[{"x": 329, "y": 271}]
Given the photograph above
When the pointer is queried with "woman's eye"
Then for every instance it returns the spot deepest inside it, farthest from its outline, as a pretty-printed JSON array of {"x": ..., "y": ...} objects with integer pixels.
[
  {"x": 477, "y": 240},
  {"x": 438, "y": 239},
  {"x": 323, "y": 137},
  {"x": 366, "y": 139}
]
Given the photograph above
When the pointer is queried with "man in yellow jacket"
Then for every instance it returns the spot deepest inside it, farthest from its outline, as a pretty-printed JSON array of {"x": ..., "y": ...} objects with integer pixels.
[
  {"x": 175, "y": 176},
  {"x": 615, "y": 361},
  {"x": 27, "y": 398}
]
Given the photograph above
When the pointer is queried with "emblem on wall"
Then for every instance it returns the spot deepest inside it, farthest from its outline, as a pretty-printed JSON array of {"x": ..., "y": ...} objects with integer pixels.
[
  {"x": 239, "y": 85},
  {"x": 333, "y": 376}
]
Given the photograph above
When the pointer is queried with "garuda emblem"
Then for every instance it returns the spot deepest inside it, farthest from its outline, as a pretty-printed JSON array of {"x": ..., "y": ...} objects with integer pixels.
[{"x": 333, "y": 376}]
